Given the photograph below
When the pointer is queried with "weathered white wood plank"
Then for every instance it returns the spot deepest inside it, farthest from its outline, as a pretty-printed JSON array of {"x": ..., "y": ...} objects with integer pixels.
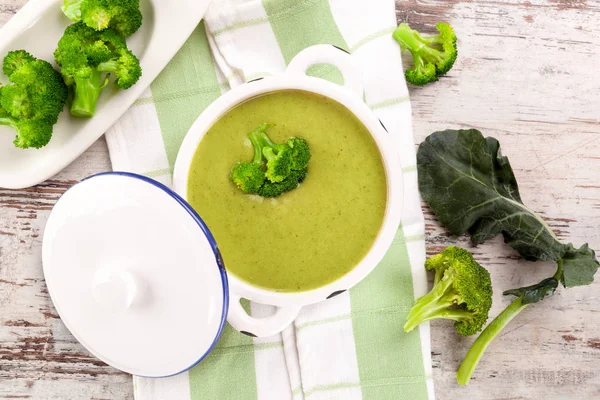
[
  {"x": 8, "y": 8},
  {"x": 526, "y": 75},
  {"x": 38, "y": 356}
]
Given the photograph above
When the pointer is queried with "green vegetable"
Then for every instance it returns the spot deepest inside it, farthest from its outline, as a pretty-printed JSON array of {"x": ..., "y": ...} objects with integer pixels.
[
  {"x": 249, "y": 176},
  {"x": 274, "y": 189},
  {"x": 87, "y": 57},
  {"x": 525, "y": 296},
  {"x": 300, "y": 153},
  {"x": 472, "y": 189},
  {"x": 462, "y": 292},
  {"x": 433, "y": 56},
  {"x": 279, "y": 158},
  {"x": 124, "y": 16},
  {"x": 286, "y": 165},
  {"x": 33, "y": 98},
  {"x": 585, "y": 263}
]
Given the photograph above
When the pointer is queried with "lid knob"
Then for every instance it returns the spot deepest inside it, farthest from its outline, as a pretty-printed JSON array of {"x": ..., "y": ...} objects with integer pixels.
[{"x": 114, "y": 289}]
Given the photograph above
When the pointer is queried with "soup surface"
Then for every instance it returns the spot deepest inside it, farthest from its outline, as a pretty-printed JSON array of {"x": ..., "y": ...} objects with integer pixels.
[{"x": 307, "y": 237}]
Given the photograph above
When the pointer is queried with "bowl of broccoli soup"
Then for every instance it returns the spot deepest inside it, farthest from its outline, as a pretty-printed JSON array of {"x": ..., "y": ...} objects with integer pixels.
[{"x": 299, "y": 183}]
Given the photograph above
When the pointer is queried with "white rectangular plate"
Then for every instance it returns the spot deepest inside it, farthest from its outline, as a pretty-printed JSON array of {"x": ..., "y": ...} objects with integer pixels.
[{"x": 37, "y": 28}]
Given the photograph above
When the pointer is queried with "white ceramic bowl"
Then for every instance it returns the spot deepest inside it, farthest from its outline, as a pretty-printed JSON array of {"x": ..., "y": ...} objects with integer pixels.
[{"x": 349, "y": 95}]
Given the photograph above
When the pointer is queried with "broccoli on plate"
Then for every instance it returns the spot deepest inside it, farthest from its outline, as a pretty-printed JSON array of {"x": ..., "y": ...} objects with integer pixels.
[
  {"x": 32, "y": 99},
  {"x": 433, "y": 56},
  {"x": 124, "y": 16},
  {"x": 462, "y": 292},
  {"x": 87, "y": 58}
]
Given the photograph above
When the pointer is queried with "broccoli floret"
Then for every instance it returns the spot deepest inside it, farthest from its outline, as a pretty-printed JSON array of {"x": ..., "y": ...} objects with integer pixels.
[
  {"x": 126, "y": 68},
  {"x": 249, "y": 176},
  {"x": 278, "y": 163},
  {"x": 433, "y": 56},
  {"x": 124, "y": 16},
  {"x": 274, "y": 189},
  {"x": 14, "y": 60},
  {"x": 278, "y": 156},
  {"x": 87, "y": 57},
  {"x": 33, "y": 98},
  {"x": 286, "y": 165},
  {"x": 300, "y": 153},
  {"x": 282, "y": 159},
  {"x": 462, "y": 292},
  {"x": 33, "y": 133}
]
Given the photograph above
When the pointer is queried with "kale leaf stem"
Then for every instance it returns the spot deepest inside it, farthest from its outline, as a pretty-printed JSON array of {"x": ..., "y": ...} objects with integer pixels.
[{"x": 463, "y": 375}]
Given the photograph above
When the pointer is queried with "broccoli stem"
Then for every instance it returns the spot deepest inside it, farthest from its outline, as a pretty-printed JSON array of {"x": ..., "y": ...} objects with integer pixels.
[
  {"x": 467, "y": 367},
  {"x": 72, "y": 9},
  {"x": 269, "y": 149},
  {"x": 262, "y": 136},
  {"x": 408, "y": 38},
  {"x": 463, "y": 375},
  {"x": 418, "y": 45},
  {"x": 431, "y": 306},
  {"x": 86, "y": 94},
  {"x": 108, "y": 66},
  {"x": 5, "y": 119},
  {"x": 257, "y": 147},
  {"x": 269, "y": 153}
]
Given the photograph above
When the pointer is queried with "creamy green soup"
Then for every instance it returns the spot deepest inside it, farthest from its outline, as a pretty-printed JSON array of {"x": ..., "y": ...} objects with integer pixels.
[{"x": 309, "y": 236}]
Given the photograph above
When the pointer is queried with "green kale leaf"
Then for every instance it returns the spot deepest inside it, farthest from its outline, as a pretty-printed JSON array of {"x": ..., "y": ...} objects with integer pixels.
[
  {"x": 534, "y": 293},
  {"x": 471, "y": 188}
]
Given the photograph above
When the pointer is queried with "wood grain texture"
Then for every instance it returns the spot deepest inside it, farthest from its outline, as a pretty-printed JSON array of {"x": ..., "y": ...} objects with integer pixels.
[
  {"x": 527, "y": 75},
  {"x": 8, "y": 8}
]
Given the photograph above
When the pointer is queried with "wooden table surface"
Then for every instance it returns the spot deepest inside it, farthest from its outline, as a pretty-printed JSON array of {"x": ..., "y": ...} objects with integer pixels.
[{"x": 527, "y": 74}]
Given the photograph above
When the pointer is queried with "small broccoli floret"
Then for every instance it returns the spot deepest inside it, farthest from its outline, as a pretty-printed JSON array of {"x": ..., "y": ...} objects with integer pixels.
[
  {"x": 283, "y": 158},
  {"x": 33, "y": 98},
  {"x": 274, "y": 189},
  {"x": 278, "y": 156},
  {"x": 14, "y": 60},
  {"x": 462, "y": 292},
  {"x": 126, "y": 68},
  {"x": 87, "y": 57},
  {"x": 286, "y": 165},
  {"x": 278, "y": 163},
  {"x": 300, "y": 153},
  {"x": 249, "y": 176},
  {"x": 33, "y": 133},
  {"x": 124, "y": 16},
  {"x": 433, "y": 56}
]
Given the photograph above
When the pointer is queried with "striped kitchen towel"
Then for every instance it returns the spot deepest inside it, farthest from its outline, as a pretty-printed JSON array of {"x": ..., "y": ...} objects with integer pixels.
[{"x": 349, "y": 347}]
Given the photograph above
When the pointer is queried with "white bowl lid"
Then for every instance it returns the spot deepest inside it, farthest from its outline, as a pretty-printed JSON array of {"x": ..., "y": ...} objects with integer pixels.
[{"x": 135, "y": 274}]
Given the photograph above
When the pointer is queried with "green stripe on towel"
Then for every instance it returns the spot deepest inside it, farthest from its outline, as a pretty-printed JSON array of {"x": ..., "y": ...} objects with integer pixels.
[
  {"x": 383, "y": 350},
  {"x": 181, "y": 92},
  {"x": 184, "y": 89},
  {"x": 226, "y": 374},
  {"x": 312, "y": 18}
]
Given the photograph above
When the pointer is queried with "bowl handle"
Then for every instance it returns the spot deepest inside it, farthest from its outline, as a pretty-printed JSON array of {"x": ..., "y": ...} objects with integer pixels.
[
  {"x": 326, "y": 53},
  {"x": 259, "y": 327}
]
